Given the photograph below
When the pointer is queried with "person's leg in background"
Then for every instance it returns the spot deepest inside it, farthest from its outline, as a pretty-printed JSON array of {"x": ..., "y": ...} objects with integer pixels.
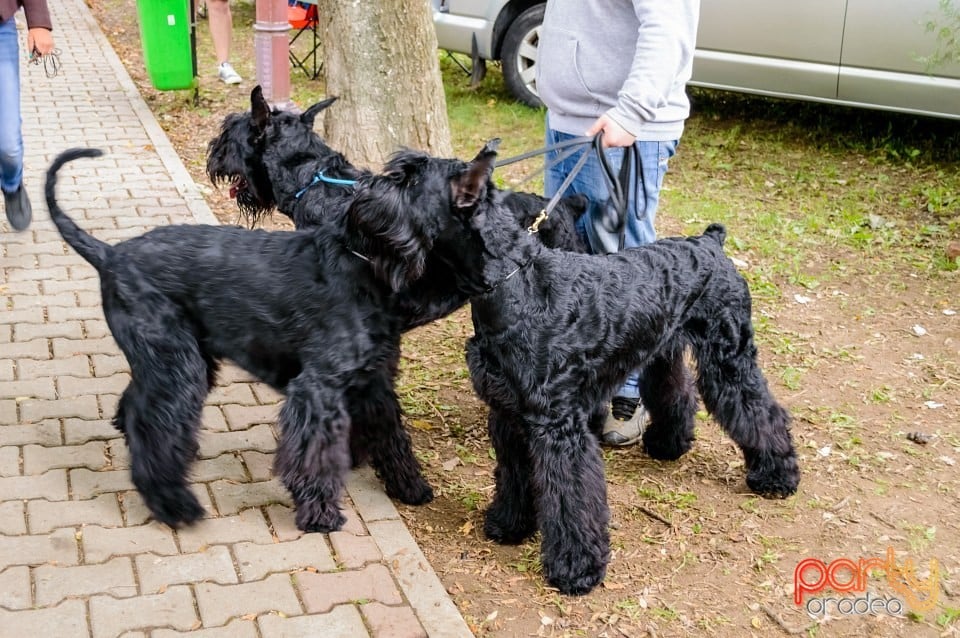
[
  {"x": 16, "y": 203},
  {"x": 627, "y": 417},
  {"x": 589, "y": 181},
  {"x": 221, "y": 32}
]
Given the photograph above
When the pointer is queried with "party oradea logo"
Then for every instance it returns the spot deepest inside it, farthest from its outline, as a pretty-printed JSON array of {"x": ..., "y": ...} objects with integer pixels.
[{"x": 849, "y": 579}]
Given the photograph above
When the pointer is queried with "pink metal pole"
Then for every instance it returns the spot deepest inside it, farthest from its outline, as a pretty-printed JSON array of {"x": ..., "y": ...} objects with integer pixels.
[{"x": 271, "y": 49}]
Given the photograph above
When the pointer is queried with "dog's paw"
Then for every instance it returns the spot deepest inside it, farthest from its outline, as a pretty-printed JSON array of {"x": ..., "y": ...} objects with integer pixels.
[
  {"x": 179, "y": 510},
  {"x": 419, "y": 493},
  {"x": 666, "y": 445},
  {"x": 575, "y": 572},
  {"x": 773, "y": 476},
  {"x": 506, "y": 528},
  {"x": 319, "y": 517}
]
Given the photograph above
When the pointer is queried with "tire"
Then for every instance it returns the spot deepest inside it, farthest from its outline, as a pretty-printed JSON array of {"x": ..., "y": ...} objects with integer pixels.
[{"x": 518, "y": 56}]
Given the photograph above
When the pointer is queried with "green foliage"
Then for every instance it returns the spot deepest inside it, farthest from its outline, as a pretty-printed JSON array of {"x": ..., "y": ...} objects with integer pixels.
[{"x": 946, "y": 27}]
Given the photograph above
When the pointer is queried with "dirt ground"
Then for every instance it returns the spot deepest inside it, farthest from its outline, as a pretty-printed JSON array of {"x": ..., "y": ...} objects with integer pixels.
[{"x": 868, "y": 362}]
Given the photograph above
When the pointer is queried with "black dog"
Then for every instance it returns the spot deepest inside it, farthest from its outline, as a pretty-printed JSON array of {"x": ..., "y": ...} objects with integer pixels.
[
  {"x": 556, "y": 333},
  {"x": 307, "y": 312},
  {"x": 274, "y": 160}
]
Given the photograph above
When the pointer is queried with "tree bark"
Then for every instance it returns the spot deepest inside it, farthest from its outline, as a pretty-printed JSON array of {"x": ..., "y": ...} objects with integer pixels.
[{"x": 381, "y": 62}]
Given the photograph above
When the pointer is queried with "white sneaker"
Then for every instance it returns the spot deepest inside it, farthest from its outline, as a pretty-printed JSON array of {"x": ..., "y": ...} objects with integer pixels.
[
  {"x": 625, "y": 423},
  {"x": 228, "y": 75}
]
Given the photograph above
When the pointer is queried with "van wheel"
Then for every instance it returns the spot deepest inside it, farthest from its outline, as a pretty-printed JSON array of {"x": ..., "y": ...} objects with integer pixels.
[{"x": 519, "y": 56}]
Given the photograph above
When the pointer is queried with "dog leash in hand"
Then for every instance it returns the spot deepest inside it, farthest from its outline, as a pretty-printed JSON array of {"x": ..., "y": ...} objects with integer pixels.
[
  {"x": 542, "y": 217},
  {"x": 572, "y": 145},
  {"x": 573, "y": 141},
  {"x": 51, "y": 62},
  {"x": 614, "y": 218}
]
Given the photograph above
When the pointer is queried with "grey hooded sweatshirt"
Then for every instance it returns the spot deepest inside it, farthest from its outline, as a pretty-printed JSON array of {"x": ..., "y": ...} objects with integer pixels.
[{"x": 630, "y": 59}]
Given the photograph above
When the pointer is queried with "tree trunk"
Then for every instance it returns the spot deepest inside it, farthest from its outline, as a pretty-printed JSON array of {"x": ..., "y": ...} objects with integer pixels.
[{"x": 381, "y": 62}]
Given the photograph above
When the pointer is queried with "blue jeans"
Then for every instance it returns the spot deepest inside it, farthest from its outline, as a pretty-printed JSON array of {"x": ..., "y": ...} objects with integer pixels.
[
  {"x": 644, "y": 195},
  {"x": 11, "y": 139}
]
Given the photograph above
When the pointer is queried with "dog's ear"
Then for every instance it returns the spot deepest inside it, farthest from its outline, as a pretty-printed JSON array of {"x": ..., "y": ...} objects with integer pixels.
[
  {"x": 470, "y": 186},
  {"x": 311, "y": 113},
  {"x": 259, "y": 108},
  {"x": 403, "y": 165},
  {"x": 383, "y": 219}
]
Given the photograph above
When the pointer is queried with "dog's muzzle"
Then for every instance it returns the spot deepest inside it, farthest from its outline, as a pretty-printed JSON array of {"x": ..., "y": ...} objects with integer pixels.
[{"x": 237, "y": 188}]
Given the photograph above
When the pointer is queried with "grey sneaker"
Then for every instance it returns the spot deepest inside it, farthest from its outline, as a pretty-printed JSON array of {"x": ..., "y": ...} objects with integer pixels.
[
  {"x": 228, "y": 75},
  {"x": 19, "y": 211},
  {"x": 625, "y": 423}
]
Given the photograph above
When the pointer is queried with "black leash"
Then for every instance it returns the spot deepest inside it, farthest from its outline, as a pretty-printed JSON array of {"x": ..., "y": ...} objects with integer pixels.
[
  {"x": 573, "y": 145},
  {"x": 573, "y": 141},
  {"x": 50, "y": 61},
  {"x": 613, "y": 216}
]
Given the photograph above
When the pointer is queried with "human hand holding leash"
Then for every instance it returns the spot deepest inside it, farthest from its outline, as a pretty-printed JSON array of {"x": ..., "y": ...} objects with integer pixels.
[
  {"x": 42, "y": 51},
  {"x": 39, "y": 41},
  {"x": 614, "y": 135}
]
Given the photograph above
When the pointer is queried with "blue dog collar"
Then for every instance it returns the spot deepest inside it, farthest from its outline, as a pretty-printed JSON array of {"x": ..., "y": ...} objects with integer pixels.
[{"x": 320, "y": 177}]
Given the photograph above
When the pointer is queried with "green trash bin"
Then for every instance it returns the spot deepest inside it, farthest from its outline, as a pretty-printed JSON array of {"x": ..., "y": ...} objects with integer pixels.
[{"x": 167, "y": 43}]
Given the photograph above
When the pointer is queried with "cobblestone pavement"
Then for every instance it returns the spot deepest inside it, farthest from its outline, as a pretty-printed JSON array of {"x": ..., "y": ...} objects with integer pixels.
[{"x": 78, "y": 553}]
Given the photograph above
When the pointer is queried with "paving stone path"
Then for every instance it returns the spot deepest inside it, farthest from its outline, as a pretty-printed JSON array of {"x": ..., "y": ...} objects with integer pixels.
[{"x": 78, "y": 553}]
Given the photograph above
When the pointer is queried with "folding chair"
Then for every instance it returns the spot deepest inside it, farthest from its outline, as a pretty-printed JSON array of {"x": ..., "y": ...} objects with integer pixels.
[{"x": 302, "y": 17}]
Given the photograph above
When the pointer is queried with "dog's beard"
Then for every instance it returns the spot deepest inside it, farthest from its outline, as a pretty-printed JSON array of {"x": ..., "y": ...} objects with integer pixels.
[{"x": 252, "y": 212}]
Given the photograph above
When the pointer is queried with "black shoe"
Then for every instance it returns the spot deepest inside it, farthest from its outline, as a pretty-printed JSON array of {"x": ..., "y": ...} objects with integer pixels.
[{"x": 19, "y": 212}]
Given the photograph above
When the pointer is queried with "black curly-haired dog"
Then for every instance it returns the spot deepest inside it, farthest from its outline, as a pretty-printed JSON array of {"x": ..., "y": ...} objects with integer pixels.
[
  {"x": 308, "y": 312},
  {"x": 557, "y": 332},
  {"x": 274, "y": 160}
]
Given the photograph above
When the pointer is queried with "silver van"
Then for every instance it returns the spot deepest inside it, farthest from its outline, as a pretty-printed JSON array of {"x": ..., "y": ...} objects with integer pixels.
[{"x": 861, "y": 53}]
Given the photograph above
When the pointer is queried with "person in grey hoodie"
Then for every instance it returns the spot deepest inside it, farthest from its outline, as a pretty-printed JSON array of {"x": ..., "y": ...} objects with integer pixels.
[{"x": 619, "y": 67}]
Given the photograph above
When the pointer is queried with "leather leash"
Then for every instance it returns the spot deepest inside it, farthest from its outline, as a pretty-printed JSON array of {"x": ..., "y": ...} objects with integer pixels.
[{"x": 613, "y": 217}]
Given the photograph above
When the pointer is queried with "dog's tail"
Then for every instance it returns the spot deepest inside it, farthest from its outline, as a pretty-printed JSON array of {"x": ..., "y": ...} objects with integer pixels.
[
  {"x": 716, "y": 232},
  {"x": 87, "y": 246}
]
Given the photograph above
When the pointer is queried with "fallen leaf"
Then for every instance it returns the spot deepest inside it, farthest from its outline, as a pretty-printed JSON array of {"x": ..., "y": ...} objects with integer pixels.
[
  {"x": 421, "y": 424},
  {"x": 452, "y": 463}
]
